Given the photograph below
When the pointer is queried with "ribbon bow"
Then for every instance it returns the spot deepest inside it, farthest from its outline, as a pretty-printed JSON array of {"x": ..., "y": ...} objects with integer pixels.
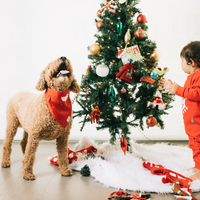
[{"x": 108, "y": 6}]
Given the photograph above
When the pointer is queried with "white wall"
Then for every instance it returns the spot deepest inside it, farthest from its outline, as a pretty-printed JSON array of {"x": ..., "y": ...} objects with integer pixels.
[{"x": 33, "y": 33}]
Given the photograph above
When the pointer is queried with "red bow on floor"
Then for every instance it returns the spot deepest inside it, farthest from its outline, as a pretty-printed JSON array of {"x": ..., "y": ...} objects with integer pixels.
[{"x": 72, "y": 155}]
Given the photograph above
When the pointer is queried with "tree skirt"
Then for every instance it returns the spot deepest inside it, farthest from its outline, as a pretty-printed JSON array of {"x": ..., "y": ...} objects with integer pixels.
[{"x": 126, "y": 172}]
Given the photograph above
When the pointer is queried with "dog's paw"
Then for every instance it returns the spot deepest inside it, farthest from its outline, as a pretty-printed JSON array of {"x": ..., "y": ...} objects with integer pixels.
[
  {"x": 67, "y": 172},
  {"x": 5, "y": 164},
  {"x": 29, "y": 176}
]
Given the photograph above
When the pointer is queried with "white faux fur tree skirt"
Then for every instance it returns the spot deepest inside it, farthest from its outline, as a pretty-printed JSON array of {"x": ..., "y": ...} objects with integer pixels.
[{"x": 126, "y": 172}]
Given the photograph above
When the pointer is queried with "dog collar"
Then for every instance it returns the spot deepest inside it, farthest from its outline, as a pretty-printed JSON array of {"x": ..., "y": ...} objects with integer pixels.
[{"x": 59, "y": 105}]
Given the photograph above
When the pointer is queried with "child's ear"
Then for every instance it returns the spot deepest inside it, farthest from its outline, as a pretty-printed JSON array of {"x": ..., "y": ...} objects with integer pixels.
[
  {"x": 191, "y": 62},
  {"x": 41, "y": 85}
]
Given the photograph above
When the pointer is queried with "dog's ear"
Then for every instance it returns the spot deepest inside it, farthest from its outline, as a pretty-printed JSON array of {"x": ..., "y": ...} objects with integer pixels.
[
  {"x": 41, "y": 85},
  {"x": 74, "y": 86}
]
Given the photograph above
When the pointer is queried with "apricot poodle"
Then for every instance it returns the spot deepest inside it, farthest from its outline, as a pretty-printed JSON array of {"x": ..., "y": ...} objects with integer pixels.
[{"x": 39, "y": 121}]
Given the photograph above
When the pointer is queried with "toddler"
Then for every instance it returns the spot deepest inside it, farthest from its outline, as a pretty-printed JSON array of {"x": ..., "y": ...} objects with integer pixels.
[{"x": 190, "y": 93}]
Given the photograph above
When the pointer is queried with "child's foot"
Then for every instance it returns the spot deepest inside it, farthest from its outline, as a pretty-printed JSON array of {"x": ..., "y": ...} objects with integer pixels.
[
  {"x": 193, "y": 169},
  {"x": 196, "y": 175}
]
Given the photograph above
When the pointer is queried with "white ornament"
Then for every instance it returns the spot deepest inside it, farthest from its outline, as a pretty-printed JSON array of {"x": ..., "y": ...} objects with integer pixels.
[
  {"x": 122, "y": 1},
  {"x": 102, "y": 70}
]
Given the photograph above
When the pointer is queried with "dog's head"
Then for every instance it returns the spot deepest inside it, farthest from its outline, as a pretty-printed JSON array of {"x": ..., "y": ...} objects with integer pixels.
[{"x": 58, "y": 75}]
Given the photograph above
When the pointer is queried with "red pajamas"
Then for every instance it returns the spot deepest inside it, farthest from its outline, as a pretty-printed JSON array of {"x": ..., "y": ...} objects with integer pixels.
[{"x": 191, "y": 112}]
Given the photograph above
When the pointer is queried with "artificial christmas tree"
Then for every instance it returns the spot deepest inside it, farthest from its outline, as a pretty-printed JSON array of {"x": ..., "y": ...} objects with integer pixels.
[{"x": 123, "y": 75}]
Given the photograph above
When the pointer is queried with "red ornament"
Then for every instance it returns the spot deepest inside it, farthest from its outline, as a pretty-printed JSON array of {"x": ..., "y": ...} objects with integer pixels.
[
  {"x": 126, "y": 73},
  {"x": 141, "y": 19},
  {"x": 151, "y": 121},
  {"x": 95, "y": 115},
  {"x": 157, "y": 100},
  {"x": 99, "y": 13},
  {"x": 123, "y": 144},
  {"x": 139, "y": 33},
  {"x": 123, "y": 90},
  {"x": 99, "y": 24}
]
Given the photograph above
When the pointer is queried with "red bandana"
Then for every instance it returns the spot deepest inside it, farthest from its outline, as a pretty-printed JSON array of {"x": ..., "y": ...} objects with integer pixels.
[{"x": 59, "y": 105}]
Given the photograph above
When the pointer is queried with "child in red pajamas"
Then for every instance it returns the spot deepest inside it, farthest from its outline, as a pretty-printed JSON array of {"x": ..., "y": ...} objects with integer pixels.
[{"x": 190, "y": 93}]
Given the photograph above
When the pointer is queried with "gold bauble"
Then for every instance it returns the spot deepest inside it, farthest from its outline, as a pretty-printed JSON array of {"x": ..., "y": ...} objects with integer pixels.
[
  {"x": 127, "y": 37},
  {"x": 95, "y": 49},
  {"x": 155, "y": 55}
]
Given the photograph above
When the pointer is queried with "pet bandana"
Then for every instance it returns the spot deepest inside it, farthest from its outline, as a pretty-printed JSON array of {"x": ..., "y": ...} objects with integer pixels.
[{"x": 59, "y": 105}]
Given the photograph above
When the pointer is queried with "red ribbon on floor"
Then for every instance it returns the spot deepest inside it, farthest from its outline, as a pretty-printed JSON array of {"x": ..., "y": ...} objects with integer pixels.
[{"x": 72, "y": 155}]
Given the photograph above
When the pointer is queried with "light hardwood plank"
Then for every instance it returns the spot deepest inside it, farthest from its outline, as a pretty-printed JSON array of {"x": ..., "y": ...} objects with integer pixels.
[{"x": 49, "y": 184}]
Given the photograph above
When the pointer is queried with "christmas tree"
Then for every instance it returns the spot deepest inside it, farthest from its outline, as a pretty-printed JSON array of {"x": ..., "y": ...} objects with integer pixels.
[{"x": 120, "y": 89}]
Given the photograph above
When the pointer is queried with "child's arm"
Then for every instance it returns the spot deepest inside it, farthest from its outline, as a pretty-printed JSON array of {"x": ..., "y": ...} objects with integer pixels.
[{"x": 189, "y": 93}]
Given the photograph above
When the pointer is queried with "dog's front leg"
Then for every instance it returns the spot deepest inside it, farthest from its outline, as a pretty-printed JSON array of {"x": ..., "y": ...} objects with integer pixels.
[
  {"x": 62, "y": 148},
  {"x": 29, "y": 157}
]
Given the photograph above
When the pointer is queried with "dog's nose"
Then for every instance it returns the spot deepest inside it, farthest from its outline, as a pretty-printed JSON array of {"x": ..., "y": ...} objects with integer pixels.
[{"x": 63, "y": 58}]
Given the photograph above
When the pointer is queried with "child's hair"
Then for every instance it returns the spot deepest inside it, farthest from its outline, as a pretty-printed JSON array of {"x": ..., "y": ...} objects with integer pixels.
[{"x": 191, "y": 52}]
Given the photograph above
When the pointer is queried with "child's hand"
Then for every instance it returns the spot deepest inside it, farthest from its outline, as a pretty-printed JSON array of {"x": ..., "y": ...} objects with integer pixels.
[
  {"x": 173, "y": 87},
  {"x": 165, "y": 84}
]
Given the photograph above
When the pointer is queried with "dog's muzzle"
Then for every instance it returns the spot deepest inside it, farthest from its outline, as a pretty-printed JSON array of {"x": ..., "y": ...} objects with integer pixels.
[
  {"x": 63, "y": 58},
  {"x": 62, "y": 69}
]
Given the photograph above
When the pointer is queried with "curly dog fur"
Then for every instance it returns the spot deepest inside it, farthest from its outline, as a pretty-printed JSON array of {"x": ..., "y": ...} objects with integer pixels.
[{"x": 30, "y": 111}]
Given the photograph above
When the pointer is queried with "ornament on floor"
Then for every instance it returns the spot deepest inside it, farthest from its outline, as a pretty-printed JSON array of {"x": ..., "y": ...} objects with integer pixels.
[
  {"x": 127, "y": 37},
  {"x": 110, "y": 6},
  {"x": 73, "y": 156},
  {"x": 119, "y": 27},
  {"x": 111, "y": 93},
  {"x": 147, "y": 79},
  {"x": 139, "y": 33},
  {"x": 160, "y": 71},
  {"x": 157, "y": 101},
  {"x": 85, "y": 171},
  {"x": 153, "y": 74},
  {"x": 155, "y": 55},
  {"x": 123, "y": 144},
  {"x": 102, "y": 70},
  {"x": 126, "y": 73},
  {"x": 181, "y": 184},
  {"x": 141, "y": 19},
  {"x": 95, "y": 115},
  {"x": 118, "y": 193},
  {"x": 151, "y": 121},
  {"x": 95, "y": 49},
  {"x": 123, "y": 90},
  {"x": 130, "y": 53},
  {"x": 99, "y": 24},
  {"x": 121, "y": 195}
]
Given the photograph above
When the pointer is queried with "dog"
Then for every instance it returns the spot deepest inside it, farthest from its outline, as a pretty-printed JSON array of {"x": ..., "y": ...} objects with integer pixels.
[{"x": 37, "y": 115}]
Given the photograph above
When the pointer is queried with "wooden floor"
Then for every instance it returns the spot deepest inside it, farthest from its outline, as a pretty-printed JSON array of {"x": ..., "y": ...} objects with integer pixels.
[{"x": 49, "y": 184}]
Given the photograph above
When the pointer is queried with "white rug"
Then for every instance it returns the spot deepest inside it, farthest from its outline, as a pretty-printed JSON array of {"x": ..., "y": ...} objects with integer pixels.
[{"x": 126, "y": 172}]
